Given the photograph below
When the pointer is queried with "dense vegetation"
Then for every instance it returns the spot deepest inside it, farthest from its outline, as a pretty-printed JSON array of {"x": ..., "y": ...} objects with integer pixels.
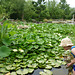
[
  {"x": 34, "y": 47},
  {"x": 26, "y": 46},
  {"x": 29, "y": 9}
]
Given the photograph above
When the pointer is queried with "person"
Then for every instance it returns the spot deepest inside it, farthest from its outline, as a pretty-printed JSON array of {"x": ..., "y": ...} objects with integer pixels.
[{"x": 67, "y": 44}]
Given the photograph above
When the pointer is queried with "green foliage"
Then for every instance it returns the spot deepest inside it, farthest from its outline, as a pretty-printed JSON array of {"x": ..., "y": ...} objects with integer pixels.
[
  {"x": 65, "y": 7},
  {"x": 40, "y": 10},
  {"x": 35, "y": 47},
  {"x": 29, "y": 9},
  {"x": 5, "y": 39},
  {"x": 4, "y": 51},
  {"x": 17, "y": 9},
  {"x": 4, "y": 36},
  {"x": 52, "y": 7}
]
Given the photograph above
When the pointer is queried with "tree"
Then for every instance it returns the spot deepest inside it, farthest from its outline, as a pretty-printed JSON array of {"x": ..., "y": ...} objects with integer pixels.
[
  {"x": 40, "y": 9},
  {"x": 29, "y": 10},
  {"x": 3, "y": 9},
  {"x": 13, "y": 9},
  {"x": 54, "y": 9},
  {"x": 17, "y": 9},
  {"x": 65, "y": 7}
]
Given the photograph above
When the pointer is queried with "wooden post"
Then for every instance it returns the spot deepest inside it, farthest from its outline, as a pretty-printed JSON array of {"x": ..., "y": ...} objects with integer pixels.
[{"x": 73, "y": 18}]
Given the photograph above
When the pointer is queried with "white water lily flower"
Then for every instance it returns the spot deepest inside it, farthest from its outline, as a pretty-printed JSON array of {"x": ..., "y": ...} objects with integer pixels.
[
  {"x": 60, "y": 36},
  {"x": 15, "y": 50},
  {"x": 50, "y": 44},
  {"x": 21, "y": 50}
]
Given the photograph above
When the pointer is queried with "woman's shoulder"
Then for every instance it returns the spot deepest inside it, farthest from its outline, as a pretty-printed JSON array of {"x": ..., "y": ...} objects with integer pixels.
[{"x": 73, "y": 49}]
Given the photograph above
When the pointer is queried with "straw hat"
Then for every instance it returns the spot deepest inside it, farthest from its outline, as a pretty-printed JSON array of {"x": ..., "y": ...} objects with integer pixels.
[{"x": 66, "y": 42}]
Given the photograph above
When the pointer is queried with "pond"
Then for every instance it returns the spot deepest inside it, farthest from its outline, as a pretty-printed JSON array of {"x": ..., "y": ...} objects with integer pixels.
[{"x": 56, "y": 71}]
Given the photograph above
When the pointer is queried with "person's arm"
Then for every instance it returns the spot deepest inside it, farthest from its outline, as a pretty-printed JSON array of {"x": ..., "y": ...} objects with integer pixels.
[{"x": 73, "y": 60}]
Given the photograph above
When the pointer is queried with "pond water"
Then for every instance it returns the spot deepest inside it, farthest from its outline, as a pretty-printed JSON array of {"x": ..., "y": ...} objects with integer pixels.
[
  {"x": 56, "y": 71},
  {"x": 63, "y": 70}
]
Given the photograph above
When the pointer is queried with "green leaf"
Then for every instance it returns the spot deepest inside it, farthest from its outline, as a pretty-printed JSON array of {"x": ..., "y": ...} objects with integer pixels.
[
  {"x": 24, "y": 71},
  {"x": 32, "y": 65},
  {"x": 30, "y": 70},
  {"x": 6, "y": 41},
  {"x": 48, "y": 67},
  {"x": 15, "y": 65},
  {"x": 30, "y": 47},
  {"x": 63, "y": 63},
  {"x": 3, "y": 70},
  {"x": 1, "y": 65},
  {"x": 42, "y": 73},
  {"x": 36, "y": 46},
  {"x": 9, "y": 67},
  {"x": 40, "y": 41},
  {"x": 17, "y": 60},
  {"x": 20, "y": 56},
  {"x": 4, "y": 51},
  {"x": 48, "y": 72},
  {"x": 57, "y": 65}
]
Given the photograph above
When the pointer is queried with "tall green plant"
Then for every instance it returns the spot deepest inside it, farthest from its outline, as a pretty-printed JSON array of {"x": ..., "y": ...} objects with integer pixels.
[
  {"x": 4, "y": 40},
  {"x": 4, "y": 34}
]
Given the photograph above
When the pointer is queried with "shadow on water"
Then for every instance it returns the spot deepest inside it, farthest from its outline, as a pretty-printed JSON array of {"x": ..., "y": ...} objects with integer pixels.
[{"x": 56, "y": 71}]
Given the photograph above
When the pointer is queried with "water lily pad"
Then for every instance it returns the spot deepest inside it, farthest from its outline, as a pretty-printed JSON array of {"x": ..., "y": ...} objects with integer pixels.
[
  {"x": 48, "y": 62},
  {"x": 7, "y": 63},
  {"x": 30, "y": 70},
  {"x": 17, "y": 68},
  {"x": 59, "y": 61},
  {"x": 42, "y": 73},
  {"x": 46, "y": 56},
  {"x": 3, "y": 70},
  {"x": 38, "y": 58},
  {"x": 57, "y": 57},
  {"x": 15, "y": 65},
  {"x": 57, "y": 65},
  {"x": 48, "y": 72},
  {"x": 52, "y": 64},
  {"x": 30, "y": 61},
  {"x": 41, "y": 61},
  {"x": 40, "y": 41},
  {"x": 17, "y": 60},
  {"x": 36, "y": 46},
  {"x": 1, "y": 65},
  {"x": 63, "y": 63},
  {"x": 48, "y": 67},
  {"x": 32, "y": 65},
  {"x": 42, "y": 65},
  {"x": 24, "y": 71},
  {"x": 4, "y": 51},
  {"x": 23, "y": 63},
  {"x": 51, "y": 60},
  {"x": 23, "y": 66},
  {"x": 20, "y": 56},
  {"x": 10, "y": 67},
  {"x": 24, "y": 60}
]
